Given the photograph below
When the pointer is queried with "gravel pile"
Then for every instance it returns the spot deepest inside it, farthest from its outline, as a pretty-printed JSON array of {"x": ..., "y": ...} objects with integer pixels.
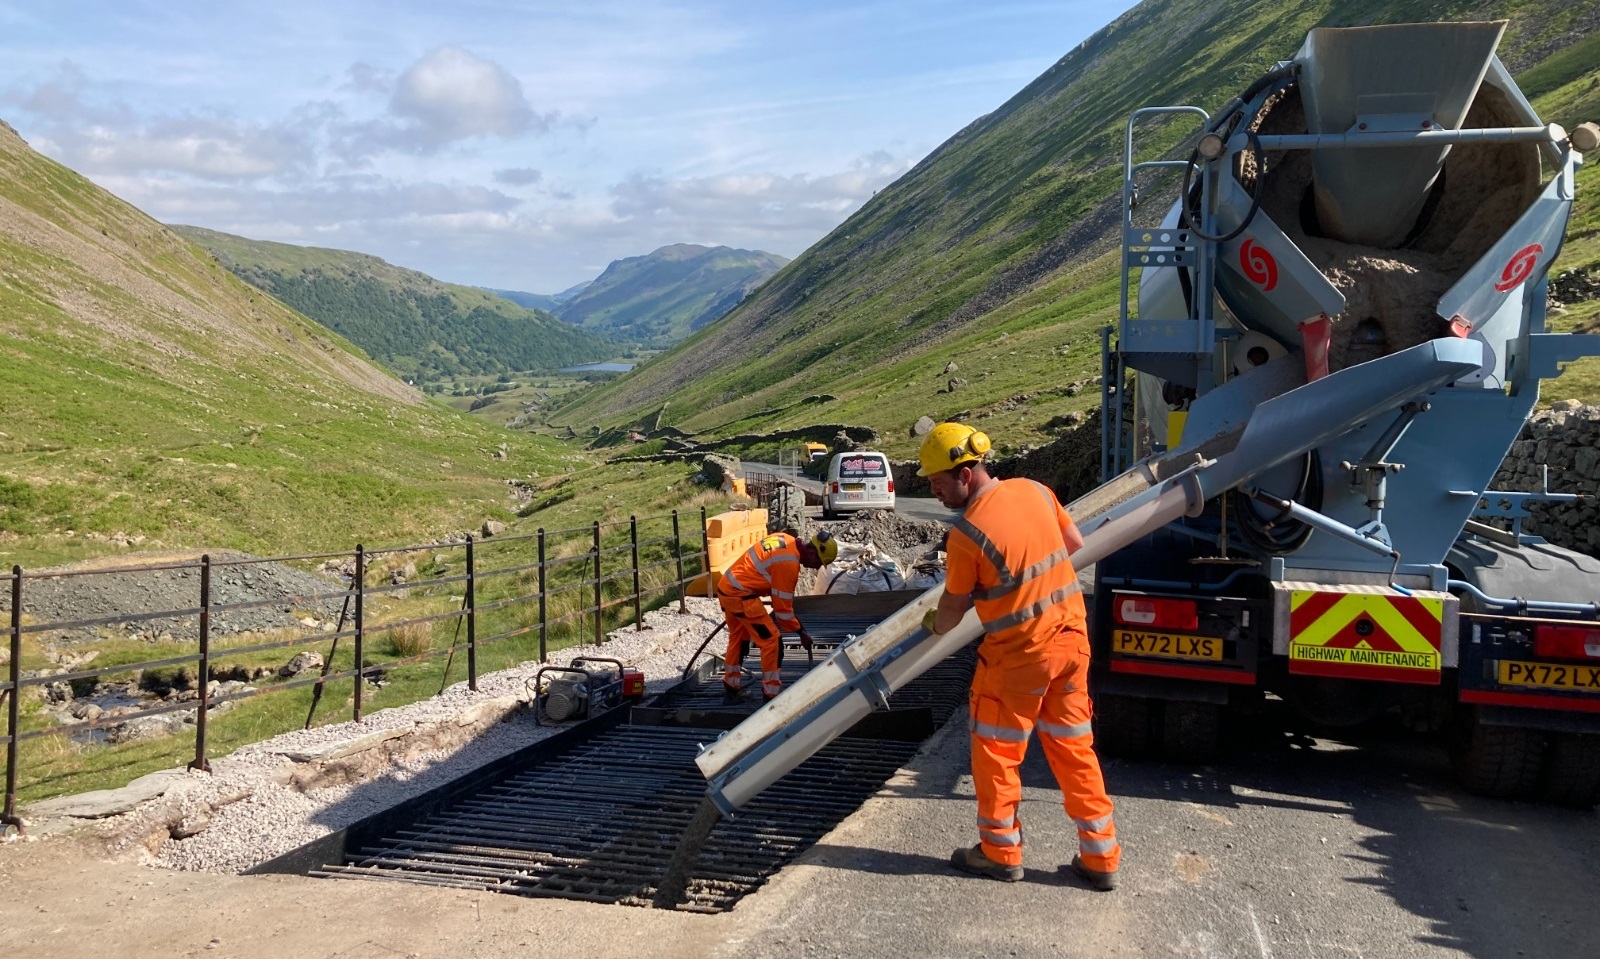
[
  {"x": 243, "y": 814},
  {"x": 908, "y": 540}
]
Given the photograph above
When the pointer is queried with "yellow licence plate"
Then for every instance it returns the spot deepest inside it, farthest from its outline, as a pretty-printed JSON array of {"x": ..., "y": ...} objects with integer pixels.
[
  {"x": 1169, "y": 645},
  {"x": 1549, "y": 675}
]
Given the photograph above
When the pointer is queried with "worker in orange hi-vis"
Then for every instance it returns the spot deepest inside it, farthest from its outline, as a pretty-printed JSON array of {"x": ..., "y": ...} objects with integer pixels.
[
  {"x": 1008, "y": 557},
  {"x": 769, "y": 568}
]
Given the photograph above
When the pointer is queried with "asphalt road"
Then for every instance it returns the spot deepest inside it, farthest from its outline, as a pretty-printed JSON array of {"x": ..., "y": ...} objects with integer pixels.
[{"x": 1293, "y": 847}]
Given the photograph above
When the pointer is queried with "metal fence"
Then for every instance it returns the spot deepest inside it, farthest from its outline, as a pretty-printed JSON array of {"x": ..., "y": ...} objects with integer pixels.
[{"x": 635, "y": 562}]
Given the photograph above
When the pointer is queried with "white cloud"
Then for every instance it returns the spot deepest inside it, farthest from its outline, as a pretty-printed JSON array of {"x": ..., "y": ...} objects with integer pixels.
[
  {"x": 452, "y": 95},
  {"x": 759, "y": 201}
]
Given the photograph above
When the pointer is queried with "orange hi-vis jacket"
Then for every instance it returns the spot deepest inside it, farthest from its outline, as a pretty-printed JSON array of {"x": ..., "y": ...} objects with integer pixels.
[
  {"x": 1026, "y": 592},
  {"x": 769, "y": 568}
]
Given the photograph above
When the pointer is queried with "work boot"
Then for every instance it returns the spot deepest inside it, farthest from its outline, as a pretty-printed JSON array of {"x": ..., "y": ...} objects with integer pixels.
[
  {"x": 1098, "y": 880},
  {"x": 731, "y": 694},
  {"x": 978, "y": 863}
]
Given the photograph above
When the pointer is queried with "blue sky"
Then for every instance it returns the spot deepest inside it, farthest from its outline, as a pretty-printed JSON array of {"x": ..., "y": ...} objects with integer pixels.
[{"x": 519, "y": 145}]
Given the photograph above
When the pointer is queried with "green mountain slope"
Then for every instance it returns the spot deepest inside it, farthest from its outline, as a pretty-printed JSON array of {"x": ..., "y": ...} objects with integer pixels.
[
  {"x": 996, "y": 252},
  {"x": 664, "y": 296},
  {"x": 414, "y": 324},
  {"x": 150, "y": 392}
]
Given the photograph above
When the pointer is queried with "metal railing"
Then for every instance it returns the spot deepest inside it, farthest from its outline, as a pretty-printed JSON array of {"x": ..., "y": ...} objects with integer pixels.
[{"x": 637, "y": 560}]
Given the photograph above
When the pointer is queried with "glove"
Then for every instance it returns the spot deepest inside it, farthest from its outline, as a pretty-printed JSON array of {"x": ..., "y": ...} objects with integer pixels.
[
  {"x": 929, "y": 618},
  {"x": 805, "y": 640}
]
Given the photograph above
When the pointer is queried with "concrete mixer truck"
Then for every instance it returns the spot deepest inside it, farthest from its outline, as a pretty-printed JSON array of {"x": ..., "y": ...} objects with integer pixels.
[
  {"x": 1387, "y": 188},
  {"x": 1329, "y": 340}
]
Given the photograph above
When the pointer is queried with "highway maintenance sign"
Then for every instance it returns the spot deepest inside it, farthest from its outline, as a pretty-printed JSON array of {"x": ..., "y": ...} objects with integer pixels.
[{"x": 1365, "y": 635}]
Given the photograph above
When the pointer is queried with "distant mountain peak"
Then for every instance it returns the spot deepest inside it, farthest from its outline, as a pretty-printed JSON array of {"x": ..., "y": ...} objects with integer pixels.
[{"x": 665, "y": 295}]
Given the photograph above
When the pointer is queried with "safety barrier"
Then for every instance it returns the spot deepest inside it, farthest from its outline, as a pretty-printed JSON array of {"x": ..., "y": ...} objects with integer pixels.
[{"x": 727, "y": 538}]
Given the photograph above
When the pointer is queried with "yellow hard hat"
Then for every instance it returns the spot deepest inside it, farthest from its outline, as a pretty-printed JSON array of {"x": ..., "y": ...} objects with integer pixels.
[
  {"x": 826, "y": 546},
  {"x": 948, "y": 445}
]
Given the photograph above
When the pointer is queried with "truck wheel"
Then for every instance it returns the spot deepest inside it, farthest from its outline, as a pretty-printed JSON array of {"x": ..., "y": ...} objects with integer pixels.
[
  {"x": 1124, "y": 726},
  {"x": 1191, "y": 732},
  {"x": 1572, "y": 770},
  {"x": 1499, "y": 761}
]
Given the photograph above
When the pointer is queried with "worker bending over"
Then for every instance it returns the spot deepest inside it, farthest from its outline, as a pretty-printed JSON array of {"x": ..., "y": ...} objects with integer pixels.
[
  {"x": 1007, "y": 555},
  {"x": 769, "y": 568}
]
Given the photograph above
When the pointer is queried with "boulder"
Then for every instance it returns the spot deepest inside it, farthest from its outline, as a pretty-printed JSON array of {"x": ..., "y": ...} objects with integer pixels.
[
  {"x": 493, "y": 527},
  {"x": 303, "y": 661},
  {"x": 922, "y": 426}
]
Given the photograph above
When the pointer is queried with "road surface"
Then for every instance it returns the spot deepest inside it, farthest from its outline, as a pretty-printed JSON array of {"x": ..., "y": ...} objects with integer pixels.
[
  {"x": 914, "y": 507},
  {"x": 1295, "y": 847}
]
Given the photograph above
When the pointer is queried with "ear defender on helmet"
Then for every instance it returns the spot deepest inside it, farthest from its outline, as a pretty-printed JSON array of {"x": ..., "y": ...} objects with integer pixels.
[
  {"x": 977, "y": 444},
  {"x": 949, "y": 445}
]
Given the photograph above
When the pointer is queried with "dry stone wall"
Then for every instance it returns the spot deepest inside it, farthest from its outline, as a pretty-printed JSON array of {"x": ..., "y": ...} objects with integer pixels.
[{"x": 1567, "y": 439}]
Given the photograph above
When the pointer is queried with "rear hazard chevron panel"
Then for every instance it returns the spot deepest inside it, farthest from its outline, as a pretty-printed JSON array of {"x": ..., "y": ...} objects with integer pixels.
[{"x": 1366, "y": 633}]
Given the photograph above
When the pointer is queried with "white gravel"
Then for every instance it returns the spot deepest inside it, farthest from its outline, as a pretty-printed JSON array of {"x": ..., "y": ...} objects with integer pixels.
[{"x": 253, "y": 817}]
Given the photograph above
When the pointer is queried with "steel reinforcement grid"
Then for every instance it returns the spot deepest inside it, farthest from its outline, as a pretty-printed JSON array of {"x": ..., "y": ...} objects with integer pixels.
[{"x": 596, "y": 813}]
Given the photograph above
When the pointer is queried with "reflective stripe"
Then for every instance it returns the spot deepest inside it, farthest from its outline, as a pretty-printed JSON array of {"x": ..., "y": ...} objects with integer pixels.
[
  {"x": 780, "y": 594},
  {"x": 1042, "y": 566},
  {"x": 1094, "y": 825},
  {"x": 1031, "y": 612},
  {"x": 1058, "y": 731},
  {"x": 728, "y": 577},
  {"x": 997, "y": 823},
  {"x": 775, "y": 559},
  {"x": 999, "y": 733},
  {"x": 1013, "y": 839},
  {"x": 991, "y": 553},
  {"x": 1098, "y": 847},
  {"x": 775, "y": 674}
]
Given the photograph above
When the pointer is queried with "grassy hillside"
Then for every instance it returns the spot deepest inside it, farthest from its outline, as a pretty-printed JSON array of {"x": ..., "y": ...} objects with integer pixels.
[
  {"x": 148, "y": 391},
  {"x": 997, "y": 251},
  {"x": 664, "y": 296},
  {"x": 421, "y": 328}
]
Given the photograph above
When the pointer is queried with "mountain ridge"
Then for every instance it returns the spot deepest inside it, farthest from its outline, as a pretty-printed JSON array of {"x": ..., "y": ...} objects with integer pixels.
[
  {"x": 665, "y": 295},
  {"x": 422, "y": 327}
]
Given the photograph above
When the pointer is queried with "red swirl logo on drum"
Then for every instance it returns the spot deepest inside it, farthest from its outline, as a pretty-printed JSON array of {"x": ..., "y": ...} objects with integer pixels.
[
  {"x": 1519, "y": 268},
  {"x": 1259, "y": 266}
]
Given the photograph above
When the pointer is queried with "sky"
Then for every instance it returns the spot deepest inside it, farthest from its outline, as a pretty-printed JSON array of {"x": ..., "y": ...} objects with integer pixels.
[{"x": 515, "y": 145}]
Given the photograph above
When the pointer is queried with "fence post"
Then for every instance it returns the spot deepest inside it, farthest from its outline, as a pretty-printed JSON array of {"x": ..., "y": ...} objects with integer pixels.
[
  {"x": 13, "y": 705},
  {"x": 633, "y": 537},
  {"x": 705, "y": 554},
  {"x": 472, "y": 620},
  {"x": 598, "y": 599},
  {"x": 542, "y": 621},
  {"x": 361, "y": 625},
  {"x": 677, "y": 553},
  {"x": 200, "y": 762}
]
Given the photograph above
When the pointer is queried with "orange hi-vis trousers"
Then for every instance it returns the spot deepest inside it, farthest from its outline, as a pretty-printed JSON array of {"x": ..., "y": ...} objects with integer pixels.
[
  {"x": 748, "y": 620},
  {"x": 1010, "y": 701}
]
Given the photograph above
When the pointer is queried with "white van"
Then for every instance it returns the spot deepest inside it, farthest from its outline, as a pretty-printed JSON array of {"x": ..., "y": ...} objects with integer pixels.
[{"x": 857, "y": 481}]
